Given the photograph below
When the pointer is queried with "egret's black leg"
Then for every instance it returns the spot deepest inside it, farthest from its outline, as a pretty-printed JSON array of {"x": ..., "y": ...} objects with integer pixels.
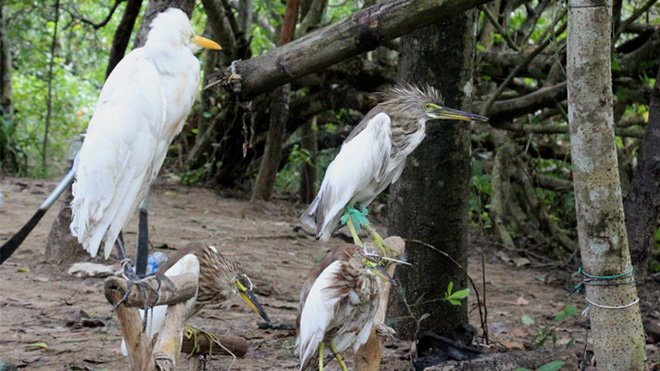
[{"x": 143, "y": 240}]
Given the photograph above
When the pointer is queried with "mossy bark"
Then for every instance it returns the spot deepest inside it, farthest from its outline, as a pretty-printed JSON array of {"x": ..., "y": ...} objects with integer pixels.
[
  {"x": 617, "y": 333},
  {"x": 430, "y": 201}
]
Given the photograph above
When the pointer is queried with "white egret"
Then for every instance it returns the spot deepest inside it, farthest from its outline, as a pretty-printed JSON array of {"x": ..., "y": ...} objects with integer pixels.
[{"x": 141, "y": 108}]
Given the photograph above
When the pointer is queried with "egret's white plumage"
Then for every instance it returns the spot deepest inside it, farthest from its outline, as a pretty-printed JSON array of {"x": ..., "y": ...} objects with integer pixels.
[
  {"x": 156, "y": 316},
  {"x": 340, "y": 305},
  {"x": 373, "y": 156},
  {"x": 142, "y": 106}
]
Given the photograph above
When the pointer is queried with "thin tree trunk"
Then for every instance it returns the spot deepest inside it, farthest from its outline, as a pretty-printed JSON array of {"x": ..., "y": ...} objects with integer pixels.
[
  {"x": 123, "y": 34},
  {"x": 279, "y": 111},
  {"x": 430, "y": 201},
  {"x": 49, "y": 97},
  {"x": 309, "y": 142},
  {"x": 642, "y": 205},
  {"x": 5, "y": 70},
  {"x": 614, "y": 312}
]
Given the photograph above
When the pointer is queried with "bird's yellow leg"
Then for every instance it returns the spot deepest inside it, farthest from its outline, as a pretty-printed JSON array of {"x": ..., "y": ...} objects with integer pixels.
[
  {"x": 351, "y": 227},
  {"x": 339, "y": 357},
  {"x": 388, "y": 252},
  {"x": 321, "y": 345}
]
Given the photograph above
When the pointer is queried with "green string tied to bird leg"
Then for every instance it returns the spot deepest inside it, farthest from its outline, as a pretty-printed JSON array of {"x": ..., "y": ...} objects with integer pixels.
[{"x": 358, "y": 215}]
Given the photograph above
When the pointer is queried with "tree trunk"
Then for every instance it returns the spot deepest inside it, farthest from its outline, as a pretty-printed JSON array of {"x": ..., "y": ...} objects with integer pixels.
[
  {"x": 270, "y": 162},
  {"x": 153, "y": 9},
  {"x": 430, "y": 201},
  {"x": 642, "y": 205},
  {"x": 123, "y": 34},
  {"x": 61, "y": 247},
  {"x": 279, "y": 112},
  {"x": 49, "y": 96},
  {"x": 5, "y": 70},
  {"x": 617, "y": 332},
  {"x": 309, "y": 143}
]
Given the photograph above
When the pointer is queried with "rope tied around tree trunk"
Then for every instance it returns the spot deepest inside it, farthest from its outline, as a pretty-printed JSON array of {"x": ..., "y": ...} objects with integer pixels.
[{"x": 625, "y": 278}]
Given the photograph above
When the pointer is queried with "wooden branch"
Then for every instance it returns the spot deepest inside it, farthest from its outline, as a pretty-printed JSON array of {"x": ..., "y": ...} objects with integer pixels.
[
  {"x": 362, "y": 31},
  {"x": 185, "y": 284},
  {"x": 96, "y": 26},
  {"x": 206, "y": 346},
  {"x": 503, "y": 110},
  {"x": 130, "y": 323},
  {"x": 499, "y": 28},
  {"x": 486, "y": 108},
  {"x": 168, "y": 343},
  {"x": 367, "y": 357}
]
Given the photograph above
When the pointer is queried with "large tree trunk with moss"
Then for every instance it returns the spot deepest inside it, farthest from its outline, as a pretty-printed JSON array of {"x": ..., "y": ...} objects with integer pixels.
[
  {"x": 430, "y": 201},
  {"x": 642, "y": 205},
  {"x": 5, "y": 70},
  {"x": 614, "y": 313}
]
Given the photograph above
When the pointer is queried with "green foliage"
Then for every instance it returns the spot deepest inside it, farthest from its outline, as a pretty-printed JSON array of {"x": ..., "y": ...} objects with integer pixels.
[
  {"x": 549, "y": 332},
  {"x": 454, "y": 297}
]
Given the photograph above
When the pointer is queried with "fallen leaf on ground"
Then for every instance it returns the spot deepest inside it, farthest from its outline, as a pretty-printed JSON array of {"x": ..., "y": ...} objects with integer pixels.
[
  {"x": 513, "y": 345},
  {"x": 522, "y": 301}
]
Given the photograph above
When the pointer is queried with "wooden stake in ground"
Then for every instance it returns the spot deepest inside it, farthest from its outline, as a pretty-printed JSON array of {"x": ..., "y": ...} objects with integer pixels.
[
  {"x": 368, "y": 356},
  {"x": 611, "y": 294}
]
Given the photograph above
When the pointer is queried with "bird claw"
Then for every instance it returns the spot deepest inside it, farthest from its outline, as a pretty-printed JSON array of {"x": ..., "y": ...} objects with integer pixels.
[{"x": 139, "y": 282}]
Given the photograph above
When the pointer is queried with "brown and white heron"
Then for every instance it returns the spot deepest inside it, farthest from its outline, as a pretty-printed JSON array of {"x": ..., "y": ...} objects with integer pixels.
[
  {"x": 373, "y": 156},
  {"x": 220, "y": 279},
  {"x": 338, "y": 303}
]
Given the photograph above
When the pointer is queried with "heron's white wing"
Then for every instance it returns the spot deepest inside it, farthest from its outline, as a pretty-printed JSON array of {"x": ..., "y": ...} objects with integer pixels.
[
  {"x": 117, "y": 154},
  {"x": 319, "y": 309},
  {"x": 360, "y": 162},
  {"x": 187, "y": 264}
]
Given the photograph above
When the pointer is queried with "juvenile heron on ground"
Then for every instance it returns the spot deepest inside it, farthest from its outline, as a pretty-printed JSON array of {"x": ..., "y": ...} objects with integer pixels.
[
  {"x": 373, "y": 156},
  {"x": 338, "y": 303},
  {"x": 219, "y": 279}
]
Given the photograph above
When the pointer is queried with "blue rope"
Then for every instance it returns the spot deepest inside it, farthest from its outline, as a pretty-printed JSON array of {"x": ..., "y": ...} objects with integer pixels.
[
  {"x": 592, "y": 277},
  {"x": 358, "y": 214}
]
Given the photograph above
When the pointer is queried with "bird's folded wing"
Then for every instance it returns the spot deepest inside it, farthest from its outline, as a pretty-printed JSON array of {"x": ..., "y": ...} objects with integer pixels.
[
  {"x": 117, "y": 156},
  {"x": 320, "y": 307},
  {"x": 360, "y": 162}
]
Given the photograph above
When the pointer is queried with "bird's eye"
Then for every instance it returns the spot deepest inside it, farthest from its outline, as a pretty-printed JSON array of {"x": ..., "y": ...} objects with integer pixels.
[{"x": 427, "y": 106}]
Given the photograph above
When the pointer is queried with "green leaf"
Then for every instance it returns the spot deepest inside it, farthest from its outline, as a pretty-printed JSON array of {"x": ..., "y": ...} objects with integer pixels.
[
  {"x": 454, "y": 302},
  {"x": 527, "y": 320},
  {"x": 461, "y": 294},
  {"x": 551, "y": 366},
  {"x": 450, "y": 287}
]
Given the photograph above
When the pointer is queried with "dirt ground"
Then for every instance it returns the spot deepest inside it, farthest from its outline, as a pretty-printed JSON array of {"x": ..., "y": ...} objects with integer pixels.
[{"x": 37, "y": 298}]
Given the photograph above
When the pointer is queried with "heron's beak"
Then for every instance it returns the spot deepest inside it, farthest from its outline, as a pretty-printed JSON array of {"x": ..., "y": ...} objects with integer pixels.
[
  {"x": 382, "y": 273},
  {"x": 446, "y": 113},
  {"x": 203, "y": 42},
  {"x": 251, "y": 300}
]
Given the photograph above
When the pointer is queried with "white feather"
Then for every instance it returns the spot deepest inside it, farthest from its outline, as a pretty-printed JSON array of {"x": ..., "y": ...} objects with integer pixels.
[
  {"x": 142, "y": 106},
  {"x": 317, "y": 313},
  {"x": 187, "y": 264},
  {"x": 353, "y": 176}
]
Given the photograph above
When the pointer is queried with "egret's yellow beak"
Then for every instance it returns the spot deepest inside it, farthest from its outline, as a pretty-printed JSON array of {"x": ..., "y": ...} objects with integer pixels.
[
  {"x": 248, "y": 297},
  {"x": 203, "y": 42},
  {"x": 445, "y": 113}
]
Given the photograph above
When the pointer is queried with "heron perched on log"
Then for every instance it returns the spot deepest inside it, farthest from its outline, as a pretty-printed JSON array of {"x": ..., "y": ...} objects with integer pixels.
[
  {"x": 220, "y": 278},
  {"x": 142, "y": 106},
  {"x": 337, "y": 304},
  {"x": 373, "y": 156}
]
